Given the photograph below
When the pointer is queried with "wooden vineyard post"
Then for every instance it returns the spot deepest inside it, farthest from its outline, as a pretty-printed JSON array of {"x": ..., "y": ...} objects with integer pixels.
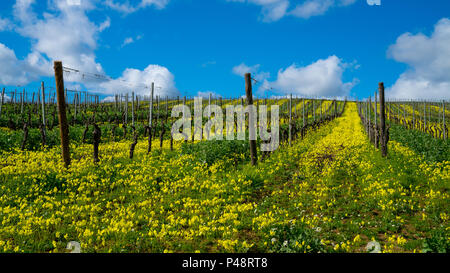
[
  {"x": 335, "y": 108},
  {"x": 321, "y": 103},
  {"x": 150, "y": 109},
  {"x": 167, "y": 107},
  {"x": 22, "y": 97},
  {"x": 96, "y": 135},
  {"x": 157, "y": 109},
  {"x": 63, "y": 126},
  {"x": 2, "y": 100},
  {"x": 137, "y": 106},
  {"x": 209, "y": 104},
  {"x": 290, "y": 120},
  {"x": 314, "y": 112},
  {"x": 377, "y": 132},
  {"x": 85, "y": 101},
  {"x": 303, "y": 110},
  {"x": 424, "y": 116},
  {"x": 249, "y": 95},
  {"x": 369, "y": 119},
  {"x": 126, "y": 109},
  {"x": 43, "y": 103},
  {"x": 75, "y": 101},
  {"x": 150, "y": 106},
  {"x": 382, "y": 122},
  {"x": 443, "y": 119},
  {"x": 132, "y": 109},
  {"x": 429, "y": 113}
]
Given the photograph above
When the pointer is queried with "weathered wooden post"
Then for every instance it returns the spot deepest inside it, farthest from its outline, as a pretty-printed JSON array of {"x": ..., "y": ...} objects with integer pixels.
[
  {"x": 22, "y": 98},
  {"x": 290, "y": 120},
  {"x": 384, "y": 139},
  {"x": 133, "y": 144},
  {"x": 209, "y": 104},
  {"x": 126, "y": 108},
  {"x": 377, "y": 132},
  {"x": 249, "y": 95},
  {"x": 429, "y": 113},
  {"x": 97, "y": 134},
  {"x": 335, "y": 108},
  {"x": 63, "y": 126},
  {"x": 132, "y": 108},
  {"x": 43, "y": 102},
  {"x": 321, "y": 103},
  {"x": 85, "y": 101},
  {"x": 156, "y": 113},
  {"x": 424, "y": 116},
  {"x": 303, "y": 109},
  {"x": 2, "y": 100},
  {"x": 443, "y": 119},
  {"x": 369, "y": 119},
  {"x": 314, "y": 111},
  {"x": 75, "y": 101},
  {"x": 150, "y": 106},
  {"x": 137, "y": 105},
  {"x": 167, "y": 107}
]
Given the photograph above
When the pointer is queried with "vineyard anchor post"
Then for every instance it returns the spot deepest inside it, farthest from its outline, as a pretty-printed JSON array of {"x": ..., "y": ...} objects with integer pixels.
[
  {"x": 2, "y": 100},
  {"x": 248, "y": 93},
  {"x": 443, "y": 119},
  {"x": 290, "y": 120},
  {"x": 382, "y": 121},
  {"x": 63, "y": 126}
]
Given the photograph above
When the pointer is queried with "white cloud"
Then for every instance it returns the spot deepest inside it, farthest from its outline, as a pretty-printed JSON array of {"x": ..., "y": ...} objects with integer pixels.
[
  {"x": 22, "y": 10},
  {"x": 274, "y": 10},
  {"x": 241, "y": 69},
  {"x": 130, "y": 40},
  {"x": 109, "y": 99},
  {"x": 139, "y": 81},
  {"x": 322, "y": 78},
  {"x": 312, "y": 8},
  {"x": 128, "y": 8},
  {"x": 14, "y": 71},
  {"x": 429, "y": 60},
  {"x": 65, "y": 32},
  {"x": 5, "y": 24}
]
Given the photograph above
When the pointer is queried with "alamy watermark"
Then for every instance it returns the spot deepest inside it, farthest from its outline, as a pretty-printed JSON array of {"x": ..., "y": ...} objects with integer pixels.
[{"x": 235, "y": 122}]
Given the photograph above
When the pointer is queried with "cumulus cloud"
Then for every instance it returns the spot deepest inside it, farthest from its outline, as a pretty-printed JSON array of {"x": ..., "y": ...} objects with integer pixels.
[
  {"x": 322, "y": 78},
  {"x": 65, "y": 32},
  {"x": 128, "y": 8},
  {"x": 139, "y": 82},
  {"x": 14, "y": 71},
  {"x": 274, "y": 10},
  {"x": 428, "y": 58},
  {"x": 241, "y": 69}
]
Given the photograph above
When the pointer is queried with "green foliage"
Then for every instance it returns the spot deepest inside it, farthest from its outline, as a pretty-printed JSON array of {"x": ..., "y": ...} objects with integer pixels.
[
  {"x": 211, "y": 151},
  {"x": 432, "y": 149},
  {"x": 294, "y": 239},
  {"x": 437, "y": 243}
]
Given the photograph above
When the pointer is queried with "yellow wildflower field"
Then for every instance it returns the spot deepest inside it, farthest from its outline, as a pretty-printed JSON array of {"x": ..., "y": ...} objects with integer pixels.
[{"x": 328, "y": 192}]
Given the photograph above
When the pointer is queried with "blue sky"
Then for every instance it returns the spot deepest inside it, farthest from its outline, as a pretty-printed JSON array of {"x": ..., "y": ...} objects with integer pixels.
[{"x": 323, "y": 48}]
